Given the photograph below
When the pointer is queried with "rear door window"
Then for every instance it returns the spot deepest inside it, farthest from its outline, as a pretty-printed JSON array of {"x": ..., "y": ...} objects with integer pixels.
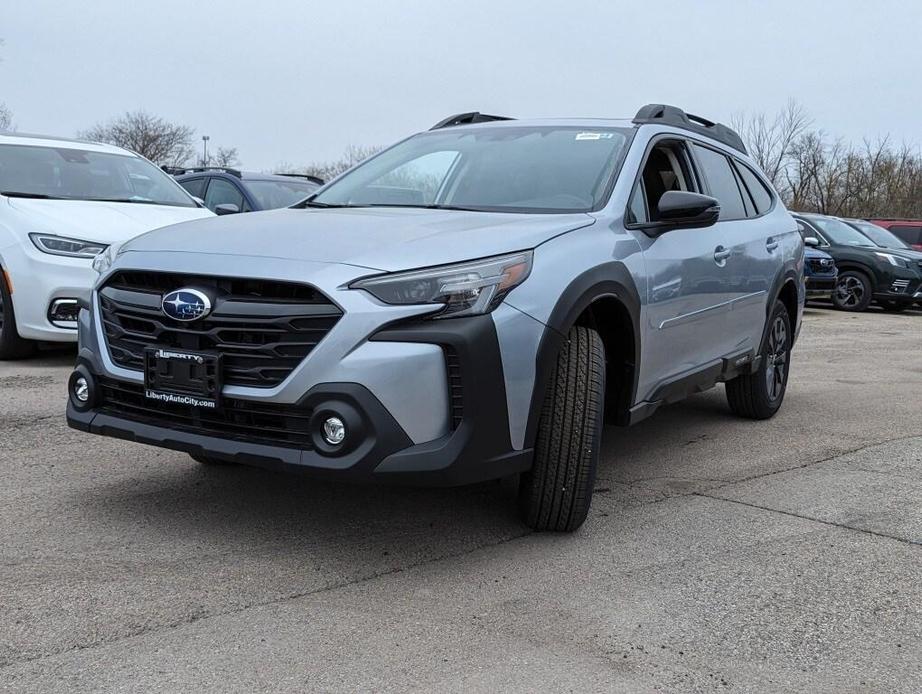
[{"x": 722, "y": 182}]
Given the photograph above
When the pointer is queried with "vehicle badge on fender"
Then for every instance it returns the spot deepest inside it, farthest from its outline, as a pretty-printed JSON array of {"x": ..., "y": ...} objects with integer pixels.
[{"x": 186, "y": 304}]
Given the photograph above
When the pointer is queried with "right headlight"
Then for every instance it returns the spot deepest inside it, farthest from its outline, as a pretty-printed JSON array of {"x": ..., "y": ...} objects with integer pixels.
[
  {"x": 53, "y": 244},
  {"x": 465, "y": 289}
]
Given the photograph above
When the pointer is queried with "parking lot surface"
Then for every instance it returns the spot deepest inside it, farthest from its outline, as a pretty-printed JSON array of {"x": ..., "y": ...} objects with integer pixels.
[{"x": 720, "y": 554}]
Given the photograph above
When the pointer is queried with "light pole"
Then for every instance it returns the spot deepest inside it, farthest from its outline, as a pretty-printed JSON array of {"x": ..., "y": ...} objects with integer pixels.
[{"x": 205, "y": 139}]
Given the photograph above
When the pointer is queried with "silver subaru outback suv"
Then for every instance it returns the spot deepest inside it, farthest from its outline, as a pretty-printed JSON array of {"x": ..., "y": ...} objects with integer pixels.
[{"x": 472, "y": 303}]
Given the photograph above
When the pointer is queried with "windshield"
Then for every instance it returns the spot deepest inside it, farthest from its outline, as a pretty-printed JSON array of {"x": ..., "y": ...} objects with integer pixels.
[
  {"x": 840, "y": 232},
  {"x": 501, "y": 169},
  {"x": 879, "y": 235},
  {"x": 76, "y": 174},
  {"x": 273, "y": 194}
]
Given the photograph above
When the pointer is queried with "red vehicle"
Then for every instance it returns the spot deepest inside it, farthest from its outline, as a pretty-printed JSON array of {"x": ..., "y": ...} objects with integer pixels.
[{"x": 910, "y": 230}]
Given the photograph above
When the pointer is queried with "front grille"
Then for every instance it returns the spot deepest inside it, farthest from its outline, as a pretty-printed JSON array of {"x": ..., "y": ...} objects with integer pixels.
[
  {"x": 263, "y": 329},
  {"x": 821, "y": 266},
  {"x": 455, "y": 389},
  {"x": 240, "y": 420}
]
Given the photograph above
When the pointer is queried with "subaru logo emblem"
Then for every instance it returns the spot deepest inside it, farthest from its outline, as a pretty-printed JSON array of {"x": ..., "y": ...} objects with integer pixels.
[{"x": 186, "y": 304}]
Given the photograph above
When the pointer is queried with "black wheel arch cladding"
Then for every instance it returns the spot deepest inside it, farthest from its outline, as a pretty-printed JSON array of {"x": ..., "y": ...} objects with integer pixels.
[{"x": 612, "y": 281}]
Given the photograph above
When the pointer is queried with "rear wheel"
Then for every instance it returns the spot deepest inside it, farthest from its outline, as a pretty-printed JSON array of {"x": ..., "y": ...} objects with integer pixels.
[
  {"x": 11, "y": 345},
  {"x": 555, "y": 494},
  {"x": 853, "y": 291},
  {"x": 759, "y": 395}
]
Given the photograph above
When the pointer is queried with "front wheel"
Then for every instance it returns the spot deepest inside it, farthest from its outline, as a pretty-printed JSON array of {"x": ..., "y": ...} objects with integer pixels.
[
  {"x": 11, "y": 345},
  {"x": 853, "y": 291},
  {"x": 555, "y": 494},
  {"x": 759, "y": 395}
]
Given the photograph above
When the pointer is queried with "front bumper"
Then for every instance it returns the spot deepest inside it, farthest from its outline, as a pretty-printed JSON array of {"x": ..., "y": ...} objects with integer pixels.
[
  {"x": 476, "y": 447},
  {"x": 39, "y": 279},
  {"x": 820, "y": 286}
]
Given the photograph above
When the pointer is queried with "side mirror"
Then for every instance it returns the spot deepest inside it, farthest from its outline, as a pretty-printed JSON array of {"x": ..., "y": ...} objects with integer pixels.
[
  {"x": 680, "y": 209},
  {"x": 812, "y": 241},
  {"x": 226, "y": 208}
]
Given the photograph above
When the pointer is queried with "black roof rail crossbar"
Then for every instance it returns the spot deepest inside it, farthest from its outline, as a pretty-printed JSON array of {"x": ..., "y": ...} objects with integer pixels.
[
  {"x": 467, "y": 119},
  {"x": 179, "y": 170},
  {"x": 313, "y": 179},
  {"x": 676, "y": 117}
]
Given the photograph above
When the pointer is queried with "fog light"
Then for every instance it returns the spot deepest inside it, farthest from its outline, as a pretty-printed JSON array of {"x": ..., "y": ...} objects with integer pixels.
[
  {"x": 334, "y": 431},
  {"x": 63, "y": 313},
  {"x": 81, "y": 389}
]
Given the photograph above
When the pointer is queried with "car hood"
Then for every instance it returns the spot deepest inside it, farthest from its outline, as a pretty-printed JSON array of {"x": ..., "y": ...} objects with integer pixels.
[
  {"x": 106, "y": 222},
  {"x": 379, "y": 238}
]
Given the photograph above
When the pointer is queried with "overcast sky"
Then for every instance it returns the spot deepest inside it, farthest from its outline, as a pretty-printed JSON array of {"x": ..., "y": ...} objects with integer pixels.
[{"x": 290, "y": 81}]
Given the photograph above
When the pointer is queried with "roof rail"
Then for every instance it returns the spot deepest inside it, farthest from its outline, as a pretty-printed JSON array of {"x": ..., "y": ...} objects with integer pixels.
[
  {"x": 467, "y": 119},
  {"x": 313, "y": 179},
  {"x": 663, "y": 114},
  {"x": 179, "y": 170}
]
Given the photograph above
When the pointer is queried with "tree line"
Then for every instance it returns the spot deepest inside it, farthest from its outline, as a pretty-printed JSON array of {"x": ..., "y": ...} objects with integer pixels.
[
  {"x": 812, "y": 170},
  {"x": 816, "y": 172}
]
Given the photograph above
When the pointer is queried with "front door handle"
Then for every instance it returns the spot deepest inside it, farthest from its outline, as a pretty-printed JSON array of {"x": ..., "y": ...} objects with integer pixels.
[
  {"x": 771, "y": 244},
  {"x": 720, "y": 255}
]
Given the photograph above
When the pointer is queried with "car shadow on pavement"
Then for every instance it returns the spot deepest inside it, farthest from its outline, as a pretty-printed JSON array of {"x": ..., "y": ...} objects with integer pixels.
[{"x": 233, "y": 506}]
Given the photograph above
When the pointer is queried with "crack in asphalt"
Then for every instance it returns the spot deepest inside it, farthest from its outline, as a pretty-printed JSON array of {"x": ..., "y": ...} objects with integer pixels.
[
  {"x": 843, "y": 526},
  {"x": 194, "y": 619}
]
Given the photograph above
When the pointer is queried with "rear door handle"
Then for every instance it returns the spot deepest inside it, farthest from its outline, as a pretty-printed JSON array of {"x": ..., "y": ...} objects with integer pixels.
[
  {"x": 721, "y": 254},
  {"x": 771, "y": 244}
]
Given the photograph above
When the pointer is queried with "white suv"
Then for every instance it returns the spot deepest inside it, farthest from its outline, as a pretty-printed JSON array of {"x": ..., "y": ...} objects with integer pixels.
[{"x": 61, "y": 203}]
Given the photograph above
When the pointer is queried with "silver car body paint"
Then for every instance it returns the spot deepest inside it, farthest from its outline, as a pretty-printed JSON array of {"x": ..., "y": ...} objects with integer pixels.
[{"x": 692, "y": 310}]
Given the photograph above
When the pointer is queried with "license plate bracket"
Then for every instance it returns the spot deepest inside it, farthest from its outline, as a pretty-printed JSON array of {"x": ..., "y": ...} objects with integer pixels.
[{"x": 181, "y": 377}]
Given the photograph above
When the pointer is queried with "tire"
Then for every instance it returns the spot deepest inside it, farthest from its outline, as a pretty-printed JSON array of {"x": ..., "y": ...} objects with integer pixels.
[
  {"x": 852, "y": 292},
  {"x": 892, "y": 306},
  {"x": 759, "y": 395},
  {"x": 11, "y": 345},
  {"x": 555, "y": 494},
  {"x": 208, "y": 460}
]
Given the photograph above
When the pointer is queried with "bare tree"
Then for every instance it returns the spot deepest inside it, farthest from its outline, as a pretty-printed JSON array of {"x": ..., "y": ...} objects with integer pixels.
[
  {"x": 771, "y": 141},
  {"x": 225, "y": 156},
  {"x": 162, "y": 142},
  {"x": 328, "y": 170},
  {"x": 6, "y": 116}
]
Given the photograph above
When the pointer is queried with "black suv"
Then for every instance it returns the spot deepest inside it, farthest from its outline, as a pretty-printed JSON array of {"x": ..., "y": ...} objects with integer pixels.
[
  {"x": 867, "y": 271},
  {"x": 228, "y": 191}
]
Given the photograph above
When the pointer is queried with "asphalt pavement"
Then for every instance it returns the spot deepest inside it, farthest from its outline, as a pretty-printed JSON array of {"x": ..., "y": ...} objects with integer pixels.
[{"x": 720, "y": 554}]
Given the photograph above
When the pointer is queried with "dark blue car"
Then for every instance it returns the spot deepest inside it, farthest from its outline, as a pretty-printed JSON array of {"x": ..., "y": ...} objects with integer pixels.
[
  {"x": 228, "y": 191},
  {"x": 820, "y": 273}
]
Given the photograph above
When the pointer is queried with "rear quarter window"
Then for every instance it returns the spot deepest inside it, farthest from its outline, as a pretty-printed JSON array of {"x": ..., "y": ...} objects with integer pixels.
[{"x": 760, "y": 195}]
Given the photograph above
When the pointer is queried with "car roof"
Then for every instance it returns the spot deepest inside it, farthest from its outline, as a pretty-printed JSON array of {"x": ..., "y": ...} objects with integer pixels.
[
  {"x": 537, "y": 122},
  {"x": 244, "y": 176},
  {"x": 61, "y": 143}
]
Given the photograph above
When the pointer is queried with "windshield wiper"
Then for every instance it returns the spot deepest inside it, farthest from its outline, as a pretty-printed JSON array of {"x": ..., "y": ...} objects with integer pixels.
[
  {"x": 325, "y": 205},
  {"x": 137, "y": 201},
  {"x": 36, "y": 196}
]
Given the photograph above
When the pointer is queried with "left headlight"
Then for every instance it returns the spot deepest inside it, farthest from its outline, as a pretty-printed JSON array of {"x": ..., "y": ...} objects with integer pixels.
[
  {"x": 465, "y": 289},
  {"x": 62, "y": 245}
]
